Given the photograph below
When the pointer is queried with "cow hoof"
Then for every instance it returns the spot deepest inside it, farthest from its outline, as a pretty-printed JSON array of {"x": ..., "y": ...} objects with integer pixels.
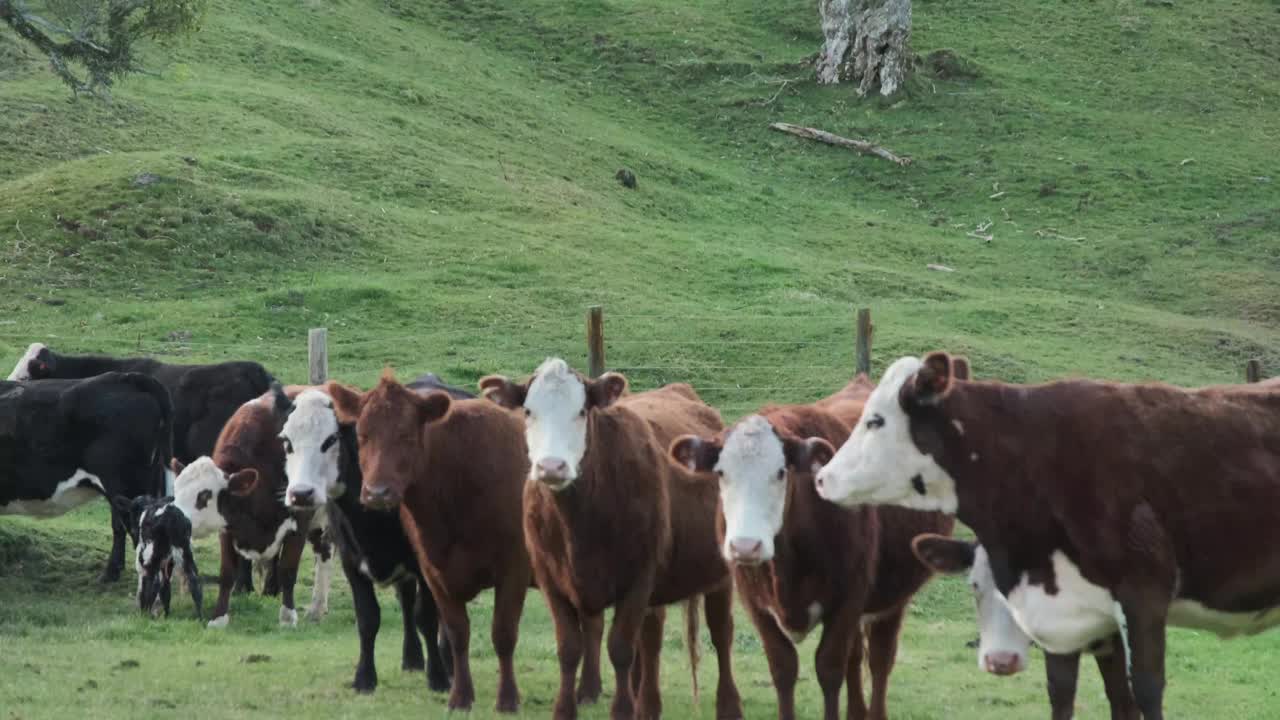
[
  {"x": 288, "y": 617},
  {"x": 439, "y": 683},
  {"x": 316, "y": 613},
  {"x": 364, "y": 686},
  {"x": 109, "y": 575},
  {"x": 219, "y": 622}
]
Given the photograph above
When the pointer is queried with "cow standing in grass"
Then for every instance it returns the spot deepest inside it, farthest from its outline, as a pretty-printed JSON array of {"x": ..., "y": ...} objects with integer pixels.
[{"x": 163, "y": 547}]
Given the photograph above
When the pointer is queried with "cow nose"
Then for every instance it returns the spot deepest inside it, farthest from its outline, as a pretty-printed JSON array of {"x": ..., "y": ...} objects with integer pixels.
[
  {"x": 552, "y": 469},
  {"x": 378, "y": 497},
  {"x": 746, "y": 549},
  {"x": 302, "y": 496},
  {"x": 818, "y": 481},
  {"x": 1002, "y": 663}
]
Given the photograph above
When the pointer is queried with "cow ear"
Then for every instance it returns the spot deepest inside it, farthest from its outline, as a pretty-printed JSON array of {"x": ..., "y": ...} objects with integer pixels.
[
  {"x": 433, "y": 406},
  {"x": 283, "y": 405},
  {"x": 502, "y": 391},
  {"x": 606, "y": 389},
  {"x": 934, "y": 380},
  {"x": 346, "y": 402},
  {"x": 177, "y": 466},
  {"x": 242, "y": 482},
  {"x": 943, "y": 554},
  {"x": 960, "y": 367},
  {"x": 694, "y": 453},
  {"x": 808, "y": 455}
]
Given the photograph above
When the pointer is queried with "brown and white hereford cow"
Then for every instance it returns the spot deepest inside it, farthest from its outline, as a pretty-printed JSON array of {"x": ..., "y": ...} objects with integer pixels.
[
  {"x": 611, "y": 523},
  {"x": 800, "y": 562},
  {"x": 1102, "y": 506},
  {"x": 455, "y": 470}
]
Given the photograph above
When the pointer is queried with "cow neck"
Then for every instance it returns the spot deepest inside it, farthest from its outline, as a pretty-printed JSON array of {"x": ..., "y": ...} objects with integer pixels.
[
  {"x": 1000, "y": 494},
  {"x": 346, "y": 506},
  {"x": 813, "y": 549}
]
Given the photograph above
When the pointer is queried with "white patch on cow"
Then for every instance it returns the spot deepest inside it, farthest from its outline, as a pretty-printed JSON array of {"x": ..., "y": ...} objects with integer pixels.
[
  {"x": 169, "y": 481},
  {"x": 555, "y": 426},
  {"x": 959, "y": 426},
  {"x": 753, "y": 486},
  {"x": 67, "y": 495},
  {"x": 220, "y": 622},
  {"x": 202, "y": 475},
  {"x": 288, "y": 617},
  {"x": 364, "y": 569},
  {"x": 320, "y": 589},
  {"x": 797, "y": 635},
  {"x": 22, "y": 371},
  {"x": 973, "y": 457},
  {"x": 1193, "y": 614},
  {"x": 1080, "y": 614},
  {"x": 879, "y": 463},
  {"x": 286, "y": 527},
  {"x": 311, "y": 465},
  {"x": 998, "y": 632}
]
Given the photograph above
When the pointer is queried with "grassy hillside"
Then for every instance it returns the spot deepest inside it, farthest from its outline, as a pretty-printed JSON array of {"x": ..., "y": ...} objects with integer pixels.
[{"x": 433, "y": 181}]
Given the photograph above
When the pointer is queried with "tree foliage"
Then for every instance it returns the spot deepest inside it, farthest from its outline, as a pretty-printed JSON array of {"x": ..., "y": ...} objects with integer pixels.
[{"x": 93, "y": 43}]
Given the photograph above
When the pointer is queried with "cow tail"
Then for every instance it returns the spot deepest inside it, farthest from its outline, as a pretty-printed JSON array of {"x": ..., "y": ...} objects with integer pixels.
[
  {"x": 164, "y": 449},
  {"x": 692, "y": 608}
]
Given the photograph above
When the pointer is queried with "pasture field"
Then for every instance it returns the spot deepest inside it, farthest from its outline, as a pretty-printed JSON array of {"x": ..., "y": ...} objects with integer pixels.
[{"x": 433, "y": 182}]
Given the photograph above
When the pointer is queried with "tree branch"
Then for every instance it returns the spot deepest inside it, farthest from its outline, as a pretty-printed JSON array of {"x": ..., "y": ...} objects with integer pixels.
[{"x": 822, "y": 136}]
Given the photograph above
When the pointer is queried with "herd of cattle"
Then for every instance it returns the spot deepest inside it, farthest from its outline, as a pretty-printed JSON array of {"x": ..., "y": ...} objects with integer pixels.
[{"x": 1105, "y": 513}]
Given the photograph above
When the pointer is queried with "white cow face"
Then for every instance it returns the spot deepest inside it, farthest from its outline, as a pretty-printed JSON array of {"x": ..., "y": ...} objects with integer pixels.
[
  {"x": 880, "y": 464},
  {"x": 556, "y": 403},
  {"x": 198, "y": 487},
  {"x": 753, "y": 464},
  {"x": 1003, "y": 648},
  {"x": 22, "y": 371},
  {"x": 312, "y": 451}
]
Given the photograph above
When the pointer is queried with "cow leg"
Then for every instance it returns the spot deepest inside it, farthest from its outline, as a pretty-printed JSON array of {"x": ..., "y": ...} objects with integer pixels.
[
  {"x": 1146, "y": 633},
  {"x": 569, "y": 641},
  {"x": 719, "y": 614},
  {"x": 1115, "y": 679},
  {"x": 784, "y": 663},
  {"x": 115, "y": 563},
  {"x": 166, "y": 589},
  {"x": 244, "y": 575},
  {"x": 648, "y": 695},
  {"x": 457, "y": 627},
  {"x": 290, "y": 557},
  {"x": 192, "y": 576},
  {"x": 411, "y": 650},
  {"x": 1062, "y": 675},
  {"x": 368, "y": 620},
  {"x": 226, "y": 579},
  {"x": 270, "y": 577},
  {"x": 508, "y": 606},
  {"x": 323, "y": 553},
  {"x": 427, "y": 618},
  {"x": 624, "y": 634},
  {"x": 839, "y": 658},
  {"x": 882, "y": 652},
  {"x": 589, "y": 684}
]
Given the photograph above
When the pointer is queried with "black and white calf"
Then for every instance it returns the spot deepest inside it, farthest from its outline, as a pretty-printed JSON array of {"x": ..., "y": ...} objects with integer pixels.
[
  {"x": 163, "y": 547},
  {"x": 66, "y": 442},
  {"x": 322, "y": 462}
]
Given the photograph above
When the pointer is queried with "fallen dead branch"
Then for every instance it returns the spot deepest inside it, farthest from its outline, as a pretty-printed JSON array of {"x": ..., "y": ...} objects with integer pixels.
[{"x": 822, "y": 136}]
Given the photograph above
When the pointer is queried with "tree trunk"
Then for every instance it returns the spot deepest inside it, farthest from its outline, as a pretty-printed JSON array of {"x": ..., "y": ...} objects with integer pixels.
[{"x": 866, "y": 42}]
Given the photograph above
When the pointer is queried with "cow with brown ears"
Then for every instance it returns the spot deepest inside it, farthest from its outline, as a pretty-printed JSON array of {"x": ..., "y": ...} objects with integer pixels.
[{"x": 800, "y": 562}]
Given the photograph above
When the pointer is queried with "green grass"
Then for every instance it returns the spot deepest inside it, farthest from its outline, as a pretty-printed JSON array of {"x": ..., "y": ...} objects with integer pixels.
[{"x": 433, "y": 182}]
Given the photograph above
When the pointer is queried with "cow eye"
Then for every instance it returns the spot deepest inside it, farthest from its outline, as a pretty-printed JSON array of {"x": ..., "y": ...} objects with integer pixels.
[
  {"x": 329, "y": 442},
  {"x": 527, "y": 412},
  {"x": 288, "y": 447},
  {"x": 582, "y": 412},
  {"x": 875, "y": 421},
  {"x": 782, "y": 473}
]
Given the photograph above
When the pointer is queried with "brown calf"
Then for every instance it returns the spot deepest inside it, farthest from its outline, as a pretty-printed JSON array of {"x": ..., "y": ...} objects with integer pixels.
[
  {"x": 799, "y": 561},
  {"x": 611, "y": 523},
  {"x": 456, "y": 470}
]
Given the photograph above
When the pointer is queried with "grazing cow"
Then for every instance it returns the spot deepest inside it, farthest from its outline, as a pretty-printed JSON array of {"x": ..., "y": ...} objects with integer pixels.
[
  {"x": 455, "y": 470},
  {"x": 66, "y": 442},
  {"x": 322, "y": 463},
  {"x": 1003, "y": 647},
  {"x": 240, "y": 491},
  {"x": 204, "y": 397},
  {"x": 799, "y": 562},
  {"x": 1102, "y": 507},
  {"x": 610, "y": 523},
  {"x": 163, "y": 546}
]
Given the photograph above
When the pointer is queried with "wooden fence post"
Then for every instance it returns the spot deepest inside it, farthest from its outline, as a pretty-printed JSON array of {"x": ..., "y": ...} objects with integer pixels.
[
  {"x": 317, "y": 356},
  {"x": 595, "y": 341},
  {"x": 862, "y": 350},
  {"x": 1253, "y": 371}
]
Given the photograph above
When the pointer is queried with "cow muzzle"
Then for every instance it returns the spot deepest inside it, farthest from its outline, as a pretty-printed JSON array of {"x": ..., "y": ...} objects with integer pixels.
[
  {"x": 379, "y": 498},
  {"x": 302, "y": 497},
  {"x": 1003, "y": 663},
  {"x": 746, "y": 551},
  {"x": 552, "y": 472}
]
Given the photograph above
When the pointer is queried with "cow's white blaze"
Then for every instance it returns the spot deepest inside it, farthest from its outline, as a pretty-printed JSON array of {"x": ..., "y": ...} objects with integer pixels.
[
  {"x": 753, "y": 486},
  {"x": 555, "y": 423},
  {"x": 879, "y": 464},
  {"x": 196, "y": 491},
  {"x": 22, "y": 371},
  {"x": 69, "y": 494},
  {"x": 998, "y": 632},
  {"x": 311, "y": 437},
  {"x": 1071, "y": 620}
]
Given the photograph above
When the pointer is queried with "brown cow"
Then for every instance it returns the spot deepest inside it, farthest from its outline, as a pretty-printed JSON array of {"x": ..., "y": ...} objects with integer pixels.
[
  {"x": 611, "y": 523},
  {"x": 456, "y": 470},
  {"x": 799, "y": 561},
  {"x": 1101, "y": 506}
]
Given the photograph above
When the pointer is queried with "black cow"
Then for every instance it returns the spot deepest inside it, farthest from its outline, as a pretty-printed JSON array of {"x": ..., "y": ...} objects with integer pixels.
[
  {"x": 66, "y": 442},
  {"x": 323, "y": 461},
  {"x": 204, "y": 397},
  {"x": 163, "y": 545}
]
